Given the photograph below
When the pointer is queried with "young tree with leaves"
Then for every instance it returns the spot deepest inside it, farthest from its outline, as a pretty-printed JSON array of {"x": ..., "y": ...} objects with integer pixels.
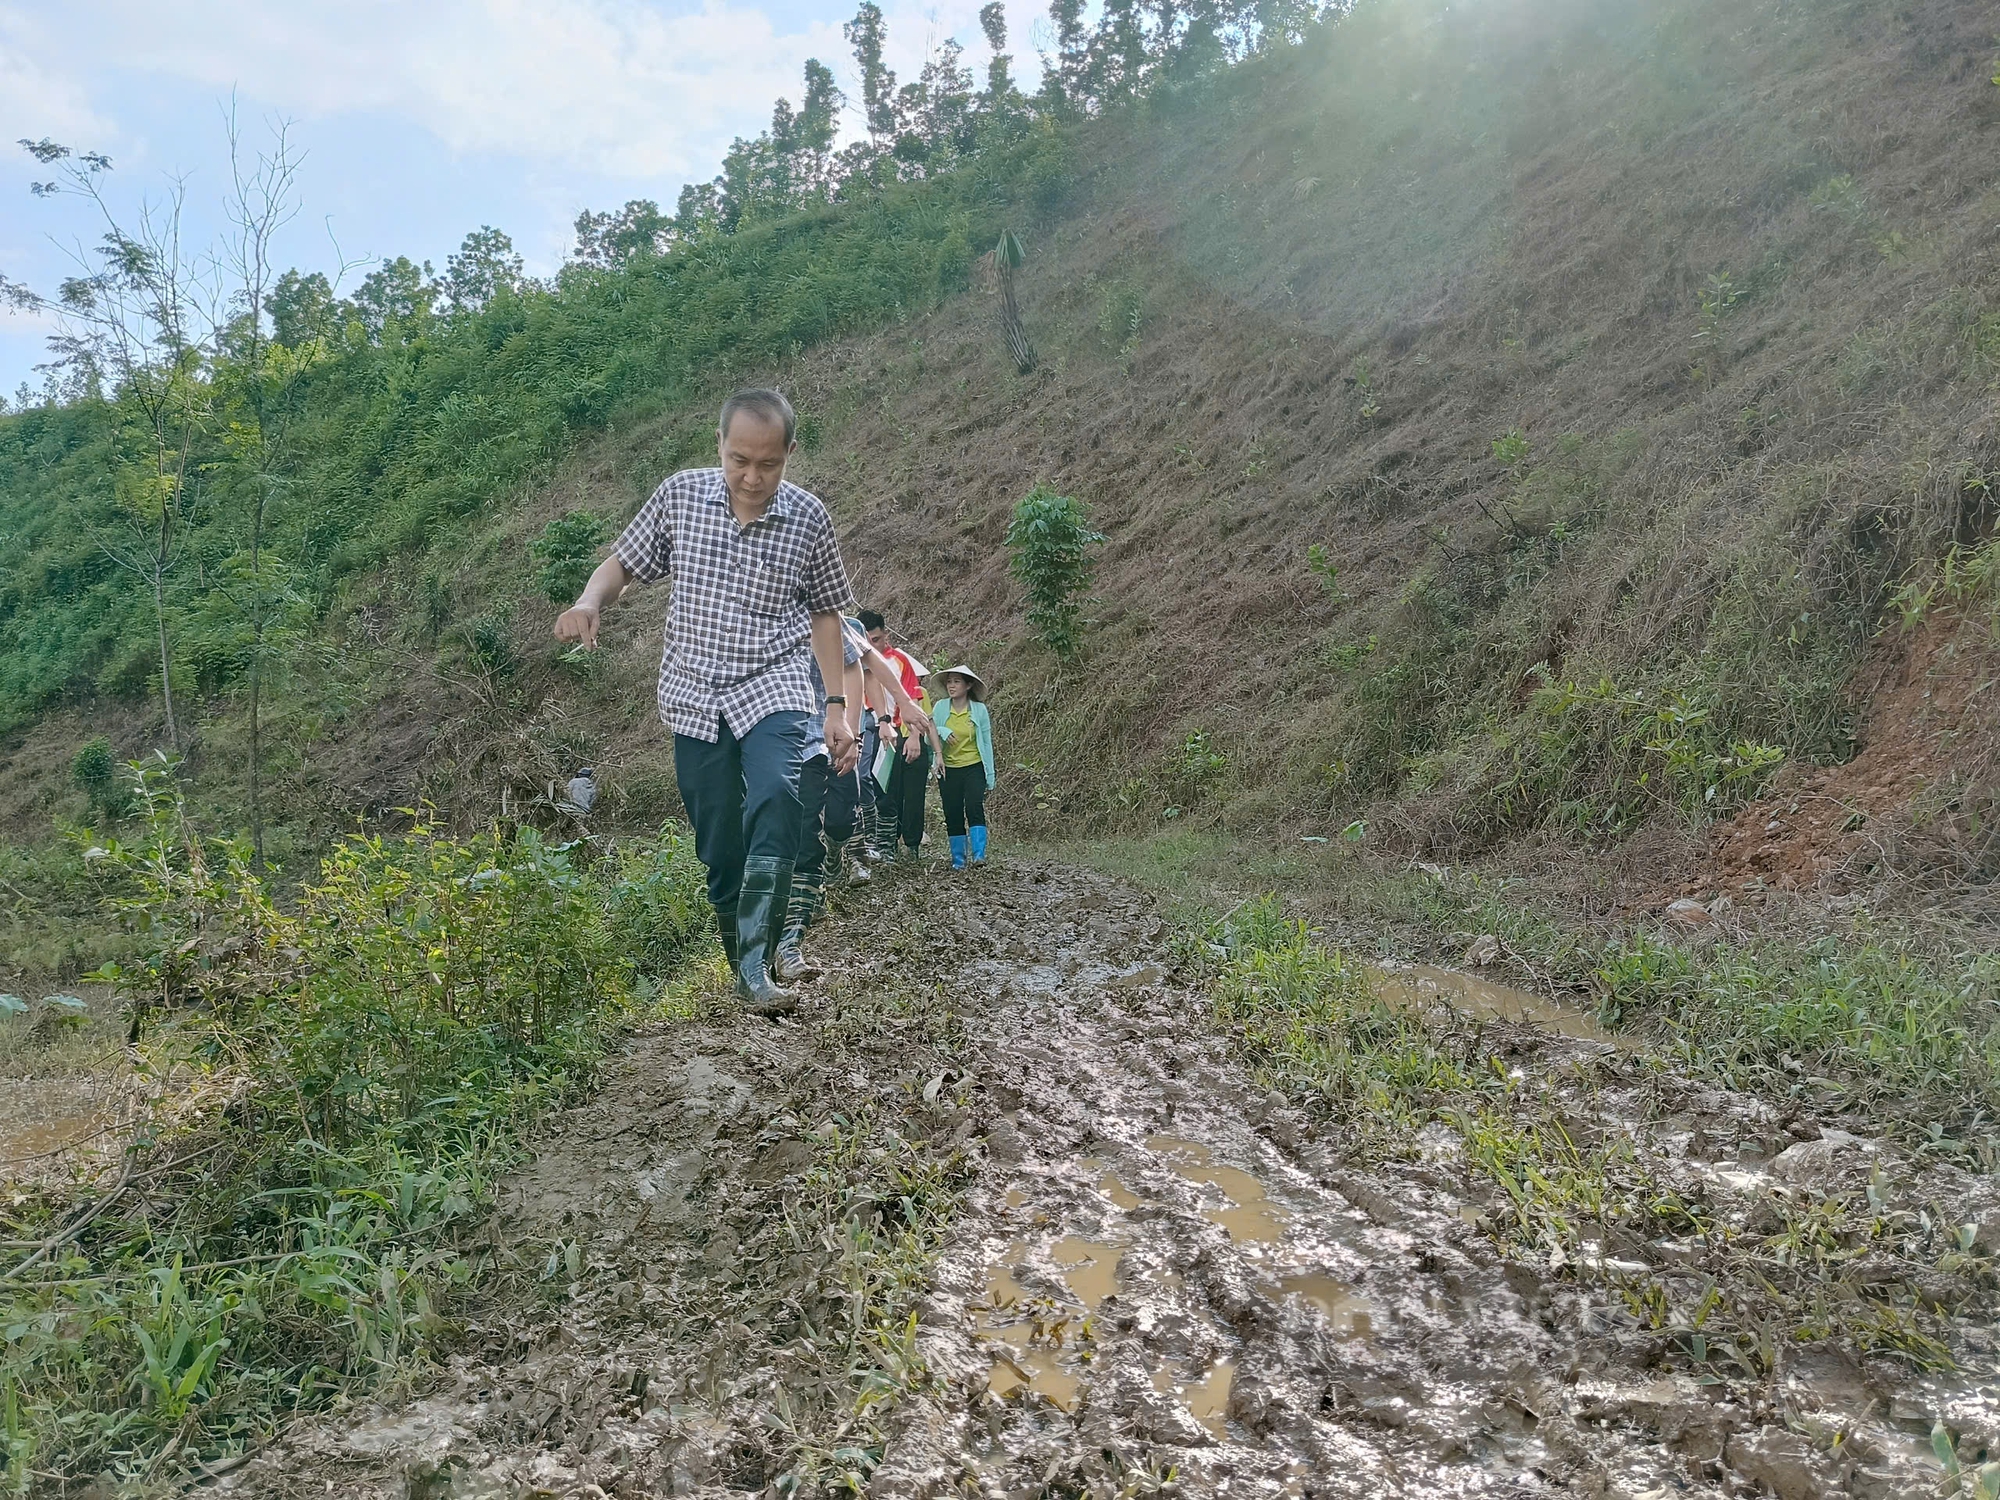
[
  {"x": 264, "y": 377},
  {"x": 129, "y": 327}
]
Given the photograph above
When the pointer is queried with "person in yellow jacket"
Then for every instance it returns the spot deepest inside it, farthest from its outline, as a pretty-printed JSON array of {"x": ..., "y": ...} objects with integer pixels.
[{"x": 965, "y": 764}]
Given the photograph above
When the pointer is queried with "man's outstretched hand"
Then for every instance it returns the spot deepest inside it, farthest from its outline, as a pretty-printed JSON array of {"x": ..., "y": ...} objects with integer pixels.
[
  {"x": 841, "y": 745},
  {"x": 578, "y": 623}
]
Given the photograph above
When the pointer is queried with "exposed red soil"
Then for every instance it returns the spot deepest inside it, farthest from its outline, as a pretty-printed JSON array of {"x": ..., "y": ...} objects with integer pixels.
[{"x": 1928, "y": 727}]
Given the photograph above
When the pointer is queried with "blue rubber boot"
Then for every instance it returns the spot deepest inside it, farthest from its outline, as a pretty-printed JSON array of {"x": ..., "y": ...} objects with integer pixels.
[
  {"x": 978, "y": 836},
  {"x": 958, "y": 851}
]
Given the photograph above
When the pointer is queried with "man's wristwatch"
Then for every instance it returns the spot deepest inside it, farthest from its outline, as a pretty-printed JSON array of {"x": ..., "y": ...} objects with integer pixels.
[{"x": 840, "y": 698}]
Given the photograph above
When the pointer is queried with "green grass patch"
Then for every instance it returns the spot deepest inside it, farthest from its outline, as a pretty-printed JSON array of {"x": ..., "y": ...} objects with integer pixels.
[{"x": 340, "y": 1079}]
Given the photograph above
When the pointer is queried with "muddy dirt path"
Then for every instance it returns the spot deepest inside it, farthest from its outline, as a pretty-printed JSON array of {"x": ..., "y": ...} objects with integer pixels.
[{"x": 1002, "y": 1173}]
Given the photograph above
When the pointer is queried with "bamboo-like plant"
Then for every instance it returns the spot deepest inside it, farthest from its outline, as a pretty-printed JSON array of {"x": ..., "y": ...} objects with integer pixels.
[{"x": 997, "y": 268}]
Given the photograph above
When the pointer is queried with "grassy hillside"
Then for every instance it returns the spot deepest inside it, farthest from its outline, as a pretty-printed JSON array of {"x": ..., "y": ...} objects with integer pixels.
[{"x": 1618, "y": 361}]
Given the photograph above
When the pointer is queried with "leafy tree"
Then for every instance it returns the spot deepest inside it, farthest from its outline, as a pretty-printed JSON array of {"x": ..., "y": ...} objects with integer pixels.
[
  {"x": 936, "y": 114},
  {"x": 394, "y": 302},
  {"x": 1000, "y": 107},
  {"x": 129, "y": 319},
  {"x": 1119, "y": 53},
  {"x": 1065, "y": 85},
  {"x": 486, "y": 263},
  {"x": 613, "y": 238},
  {"x": 867, "y": 34},
  {"x": 302, "y": 308}
]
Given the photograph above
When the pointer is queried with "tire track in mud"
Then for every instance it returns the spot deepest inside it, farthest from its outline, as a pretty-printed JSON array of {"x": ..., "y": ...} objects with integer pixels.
[{"x": 1123, "y": 1261}]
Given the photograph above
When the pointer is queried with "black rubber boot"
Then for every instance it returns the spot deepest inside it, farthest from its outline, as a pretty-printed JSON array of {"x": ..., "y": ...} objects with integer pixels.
[
  {"x": 845, "y": 868},
  {"x": 767, "y": 886},
  {"x": 725, "y": 925},
  {"x": 789, "y": 963}
]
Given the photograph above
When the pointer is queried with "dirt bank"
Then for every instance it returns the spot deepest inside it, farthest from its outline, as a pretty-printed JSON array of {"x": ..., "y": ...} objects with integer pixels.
[{"x": 1001, "y": 1215}]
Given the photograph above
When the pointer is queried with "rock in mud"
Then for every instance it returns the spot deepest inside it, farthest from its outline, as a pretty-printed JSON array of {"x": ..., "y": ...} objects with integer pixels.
[
  {"x": 1688, "y": 912},
  {"x": 1483, "y": 949},
  {"x": 1824, "y": 1164}
]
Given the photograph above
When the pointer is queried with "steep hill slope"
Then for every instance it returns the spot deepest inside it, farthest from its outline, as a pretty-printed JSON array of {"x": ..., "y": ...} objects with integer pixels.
[{"x": 1621, "y": 360}]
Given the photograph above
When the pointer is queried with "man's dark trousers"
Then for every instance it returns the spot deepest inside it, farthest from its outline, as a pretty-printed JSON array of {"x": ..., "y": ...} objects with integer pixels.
[
  {"x": 903, "y": 803},
  {"x": 742, "y": 797},
  {"x": 827, "y": 801}
]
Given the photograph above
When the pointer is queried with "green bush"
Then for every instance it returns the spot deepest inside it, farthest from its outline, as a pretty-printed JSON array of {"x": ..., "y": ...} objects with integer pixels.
[
  {"x": 95, "y": 774},
  {"x": 567, "y": 552},
  {"x": 382, "y": 1045},
  {"x": 489, "y": 643},
  {"x": 659, "y": 901},
  {"x": 1050, "y": 539}
]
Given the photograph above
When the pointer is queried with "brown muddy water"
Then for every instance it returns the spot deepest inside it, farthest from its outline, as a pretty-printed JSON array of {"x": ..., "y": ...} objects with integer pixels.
[{"x": 1158, "y": 1276}]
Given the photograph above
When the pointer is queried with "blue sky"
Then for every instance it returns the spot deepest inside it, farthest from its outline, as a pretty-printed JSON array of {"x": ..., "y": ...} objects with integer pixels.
[{"x": 419, "y": 121}]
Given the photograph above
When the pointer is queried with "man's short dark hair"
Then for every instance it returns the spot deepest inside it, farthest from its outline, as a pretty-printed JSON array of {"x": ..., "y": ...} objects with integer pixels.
[
  {"x": 871, "y": 620},
  {"x": 760, "y": 402}
]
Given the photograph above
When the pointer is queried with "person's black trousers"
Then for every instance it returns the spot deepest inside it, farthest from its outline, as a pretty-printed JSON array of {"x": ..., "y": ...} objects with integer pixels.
[
  {"x": 815, "y": 775},
  {"x": 964, "y": 794},
  {"x": 843, "y": 803},
  {"x": 903, "y": 803},
  {"x": 742, "y": 797}
]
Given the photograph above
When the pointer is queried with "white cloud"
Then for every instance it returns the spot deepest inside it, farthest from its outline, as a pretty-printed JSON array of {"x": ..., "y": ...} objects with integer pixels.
[
  {"x": 630, "y": 88},
  {"x": 609, "y": 86},
  {"x": 35, "y": 101}
]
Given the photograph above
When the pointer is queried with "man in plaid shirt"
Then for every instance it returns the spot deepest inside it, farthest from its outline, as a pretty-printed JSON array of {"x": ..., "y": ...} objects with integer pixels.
[{"x": 758, "y": 594}]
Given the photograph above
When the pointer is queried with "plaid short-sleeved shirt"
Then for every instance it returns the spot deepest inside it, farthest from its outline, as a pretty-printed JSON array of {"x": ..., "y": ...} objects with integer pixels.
[{"x": 739, "y": 622}]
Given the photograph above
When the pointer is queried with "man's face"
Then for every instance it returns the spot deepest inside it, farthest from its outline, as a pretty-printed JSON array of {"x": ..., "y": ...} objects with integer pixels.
[
  {"x": 879, "y": 637},
  {"x": 753, "y": 454}
]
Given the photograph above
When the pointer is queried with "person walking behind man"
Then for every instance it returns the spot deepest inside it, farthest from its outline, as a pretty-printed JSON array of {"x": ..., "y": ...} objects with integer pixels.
[
  {"x": 911, "y": 742},
  {"x": 758, "y": 593},
  {"x": 965, "y": 771},
  {"x": 830, "y": 800},
  {"x": 877, "y": 729}
]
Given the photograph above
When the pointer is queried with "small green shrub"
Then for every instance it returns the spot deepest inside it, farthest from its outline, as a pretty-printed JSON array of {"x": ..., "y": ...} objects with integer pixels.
[
  {"x": 659, "y": 901},
  {"x": 1050, "y": 539},
  {"x": 567, "y": 552},
  {"x": 1200, "y": 762},
  {"x": 1120, "y": 316},
  {"x": 95, "y": 773},
  {"x": 489, "y": 644},
  {"x": 1320, "y": 563},
  {"x": 1511, "y": 448}
]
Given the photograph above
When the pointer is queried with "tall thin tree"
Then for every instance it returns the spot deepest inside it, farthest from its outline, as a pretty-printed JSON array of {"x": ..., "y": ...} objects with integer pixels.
[
  {"x": 262, "y": 201},
  {"x": 127, "y": 326}
]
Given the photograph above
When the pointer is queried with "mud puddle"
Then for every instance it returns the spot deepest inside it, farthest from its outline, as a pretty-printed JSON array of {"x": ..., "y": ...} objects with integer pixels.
[
  {"x": 1479, "y": 998},
  {"x": 1154, "y": 1269}
]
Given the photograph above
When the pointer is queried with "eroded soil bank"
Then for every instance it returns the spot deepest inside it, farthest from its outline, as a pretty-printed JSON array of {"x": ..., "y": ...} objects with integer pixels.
[{"x": 1002, "y": 1207}]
